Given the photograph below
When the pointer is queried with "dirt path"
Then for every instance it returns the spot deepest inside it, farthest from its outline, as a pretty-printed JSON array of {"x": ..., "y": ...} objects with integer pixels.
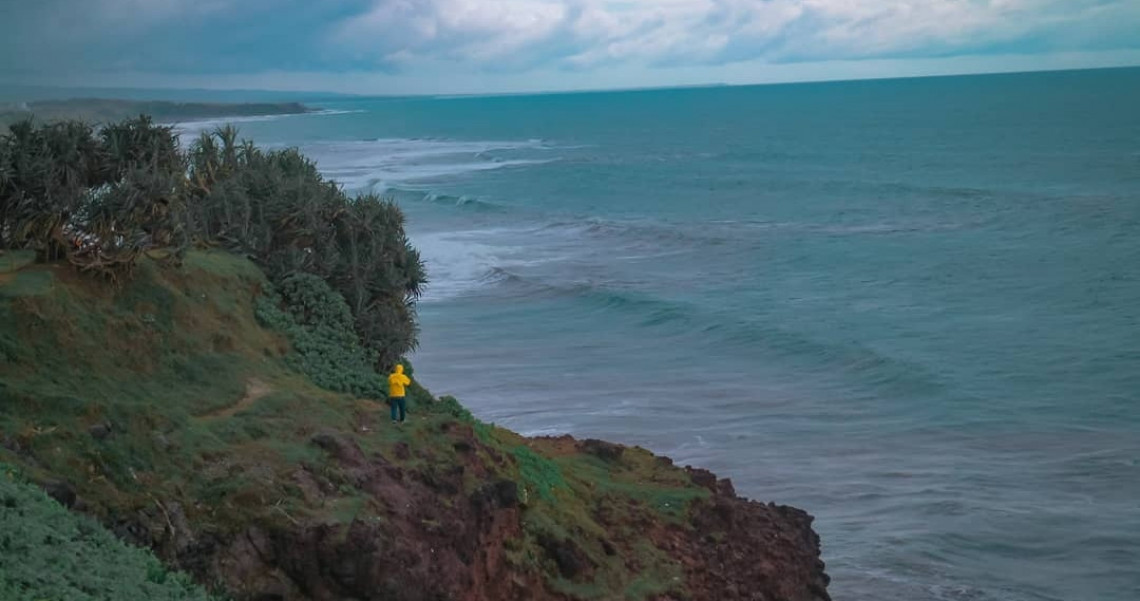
[{"x": 254, "y": 390}]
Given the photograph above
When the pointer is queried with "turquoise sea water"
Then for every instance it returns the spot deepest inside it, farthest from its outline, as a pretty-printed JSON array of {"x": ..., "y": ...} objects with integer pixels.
[{"x": 910, "y": 307}]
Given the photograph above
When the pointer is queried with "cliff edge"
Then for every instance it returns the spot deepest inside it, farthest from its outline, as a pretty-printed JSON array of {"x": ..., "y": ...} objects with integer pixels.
[{"x": 163, "y": 407}]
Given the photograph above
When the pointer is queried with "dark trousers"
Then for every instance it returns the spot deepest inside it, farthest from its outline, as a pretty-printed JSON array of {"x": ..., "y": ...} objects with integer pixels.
[{"x": 398, "y": 403}]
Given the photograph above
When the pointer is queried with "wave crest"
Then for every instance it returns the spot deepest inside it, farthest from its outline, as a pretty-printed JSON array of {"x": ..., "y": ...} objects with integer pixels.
[{"x": 384, "y": 164}]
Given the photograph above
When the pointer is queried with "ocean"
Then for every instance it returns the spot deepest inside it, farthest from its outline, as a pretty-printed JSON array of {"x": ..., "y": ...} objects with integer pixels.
[{"x": 910, "y": 307}]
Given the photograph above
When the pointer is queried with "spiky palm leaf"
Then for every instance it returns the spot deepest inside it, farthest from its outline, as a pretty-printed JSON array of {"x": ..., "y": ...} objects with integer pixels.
[{"x": 102, "y": 201}]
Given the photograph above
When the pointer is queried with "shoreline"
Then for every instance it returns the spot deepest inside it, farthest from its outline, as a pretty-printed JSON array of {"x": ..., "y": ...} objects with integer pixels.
[{"x": 94, "y": 110}]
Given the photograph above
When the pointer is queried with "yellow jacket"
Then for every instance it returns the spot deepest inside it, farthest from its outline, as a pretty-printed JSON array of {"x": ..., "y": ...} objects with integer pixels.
[{"x": 397, "y": 381}]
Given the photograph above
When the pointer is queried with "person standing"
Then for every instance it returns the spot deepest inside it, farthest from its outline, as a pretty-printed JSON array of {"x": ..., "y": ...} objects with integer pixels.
[{"x": 397, "y": 391}]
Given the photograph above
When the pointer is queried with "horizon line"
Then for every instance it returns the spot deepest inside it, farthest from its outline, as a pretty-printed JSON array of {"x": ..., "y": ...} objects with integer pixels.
[{"x": 550, "y": 92}]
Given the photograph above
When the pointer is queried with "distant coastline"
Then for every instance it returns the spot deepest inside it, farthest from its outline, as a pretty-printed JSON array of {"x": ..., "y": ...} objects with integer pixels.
[{"x": 98, "y": 110}]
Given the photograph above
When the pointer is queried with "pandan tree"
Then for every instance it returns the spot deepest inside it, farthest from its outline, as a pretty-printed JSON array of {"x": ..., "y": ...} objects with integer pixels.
[
  {"x": 380, "y": 275},
  {"x": 276, "y": 207},
  {"x": 102, "y": 199},
  {"x": 51, "y": 168}
]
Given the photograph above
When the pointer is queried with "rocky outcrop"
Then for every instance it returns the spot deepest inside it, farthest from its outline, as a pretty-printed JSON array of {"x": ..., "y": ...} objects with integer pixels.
[
  {"x": 427, "y": 541},
  {"x": 741, "y": 549},
  {"x": 421, "y": 540}
]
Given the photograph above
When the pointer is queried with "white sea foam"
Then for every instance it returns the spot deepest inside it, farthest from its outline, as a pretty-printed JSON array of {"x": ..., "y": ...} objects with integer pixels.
[
  {"x": 392, "y": 173},
  {"x": 384, "y": 163},
  {"x": 189, "y": 130},
  {"x": 463, "y": 262},
  {"x": 456, "y": 263},
  {"x": 389, "y": 162}
]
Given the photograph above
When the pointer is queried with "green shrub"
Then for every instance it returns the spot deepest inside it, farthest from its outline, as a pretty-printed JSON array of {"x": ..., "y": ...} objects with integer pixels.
[
  {"x": 49, "y": 553},
  {"x": 318, "y": 324},
  {"x": 449, "y": 405}
]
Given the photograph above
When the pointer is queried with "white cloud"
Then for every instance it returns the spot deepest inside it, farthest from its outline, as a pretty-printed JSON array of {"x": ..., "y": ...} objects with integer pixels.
[
  {"x": 546, "y": 43},
  {"x": 443, "y": 79},
  {"x": 588, "y": 33},
  {"x": 468, "y": 30}
]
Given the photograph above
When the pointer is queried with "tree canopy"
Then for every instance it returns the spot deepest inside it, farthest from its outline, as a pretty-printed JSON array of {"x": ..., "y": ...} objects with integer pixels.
[{"x": 100, "y": 199}]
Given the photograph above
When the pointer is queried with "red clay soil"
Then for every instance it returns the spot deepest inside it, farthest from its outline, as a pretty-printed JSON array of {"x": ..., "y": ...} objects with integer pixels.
[
  {"x": 738, "y": 549},
  {"x": 431, "y": 542}
]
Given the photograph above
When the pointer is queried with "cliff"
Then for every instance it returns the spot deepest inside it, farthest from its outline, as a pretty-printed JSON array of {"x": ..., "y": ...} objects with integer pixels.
[{"x": 162, "y": 407}]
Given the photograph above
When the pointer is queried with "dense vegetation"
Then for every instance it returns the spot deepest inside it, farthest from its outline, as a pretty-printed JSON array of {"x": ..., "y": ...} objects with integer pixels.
[
  {"x": 48, "y": 552},
  {"x": 318, "y": 324},
  {"x": 101, "y": 199}
]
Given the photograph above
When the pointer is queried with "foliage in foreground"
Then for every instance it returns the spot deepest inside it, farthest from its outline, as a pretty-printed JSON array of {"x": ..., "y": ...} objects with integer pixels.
[
  {"x": 100, "y": 200},
  {"x": 49, "y": 553}
]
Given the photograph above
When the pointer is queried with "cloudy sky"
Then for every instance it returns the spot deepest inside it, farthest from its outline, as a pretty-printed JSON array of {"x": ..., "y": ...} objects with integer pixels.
[{"x": 441, "y": 46}]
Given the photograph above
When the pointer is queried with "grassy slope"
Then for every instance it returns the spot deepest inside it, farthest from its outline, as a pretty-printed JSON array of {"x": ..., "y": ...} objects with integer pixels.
[
  {"x": 204, "y": 412},
  {"x": 49, "y": 553}
]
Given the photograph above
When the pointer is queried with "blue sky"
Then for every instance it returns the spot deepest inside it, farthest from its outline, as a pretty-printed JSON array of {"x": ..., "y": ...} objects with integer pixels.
[{"x": 480, "y": 46}]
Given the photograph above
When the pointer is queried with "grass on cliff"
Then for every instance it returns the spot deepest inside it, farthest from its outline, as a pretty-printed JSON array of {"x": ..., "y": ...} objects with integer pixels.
[
  {"x": 164, "y": 369},
  {"x": 49, "y": 553},
  {"x": 182, "y": 386},
  {"x": 601, "y": 506}
]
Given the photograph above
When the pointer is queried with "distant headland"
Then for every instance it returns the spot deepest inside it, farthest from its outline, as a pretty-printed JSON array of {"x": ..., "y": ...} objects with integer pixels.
[{"x": 100, "y": 110}]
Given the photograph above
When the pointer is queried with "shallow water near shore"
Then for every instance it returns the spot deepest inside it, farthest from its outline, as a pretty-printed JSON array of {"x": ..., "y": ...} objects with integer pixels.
[{"x": 909, "y": 307}]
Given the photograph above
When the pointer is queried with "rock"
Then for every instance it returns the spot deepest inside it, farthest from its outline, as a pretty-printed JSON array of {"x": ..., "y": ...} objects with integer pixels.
[
  {"x": 343, "y": 450},
  {"x": 309, "y": 487},
  {"x": 100, "y": 431},
  {"x": 132, "y": 530},
  {"x": 702, "y": 478},
  {"x": 328, "y": 441},
  {"x": 571, "y": 561},
  {"x": 758, "y": 547},
  {"x": 61, "y": 491},
  {"x": 602, "y": 449},
  {"x": 498, "y": 495},
  {"x": 724, "y": 487},
  {"x": 507, "y": 493},
  {"x": 443, "y": 482}
]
